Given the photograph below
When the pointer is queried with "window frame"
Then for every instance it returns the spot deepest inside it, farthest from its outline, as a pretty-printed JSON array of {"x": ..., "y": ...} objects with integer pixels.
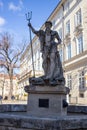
[
  {"x": 60, "y": 32},
  {"x": 81, "y": 79},
  {"x": 79, "y": 44},
  {"x": 68, "y": 51},
  {"x": 78, "y": 18}
]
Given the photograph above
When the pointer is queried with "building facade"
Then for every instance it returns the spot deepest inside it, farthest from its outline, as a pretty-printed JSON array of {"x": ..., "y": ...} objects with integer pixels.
[
  {"x": 69, "y": 18},
  {"x": 5, "y": 86}
]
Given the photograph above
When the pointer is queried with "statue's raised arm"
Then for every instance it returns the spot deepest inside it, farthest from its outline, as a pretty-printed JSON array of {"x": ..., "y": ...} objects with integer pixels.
[
  {"x": 33, "y": 30},
  {"x": 40, "y": 34}
]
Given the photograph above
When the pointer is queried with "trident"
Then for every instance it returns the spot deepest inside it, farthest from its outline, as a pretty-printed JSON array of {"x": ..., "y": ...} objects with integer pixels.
[{"x": 28, "y": 18}]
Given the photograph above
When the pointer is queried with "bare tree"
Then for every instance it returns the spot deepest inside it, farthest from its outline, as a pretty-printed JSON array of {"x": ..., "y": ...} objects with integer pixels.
[{"x": 9, "y": 57}]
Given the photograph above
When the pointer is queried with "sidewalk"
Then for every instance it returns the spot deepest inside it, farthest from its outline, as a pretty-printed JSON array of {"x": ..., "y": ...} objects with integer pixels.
[{"x": 12, "y": 102}]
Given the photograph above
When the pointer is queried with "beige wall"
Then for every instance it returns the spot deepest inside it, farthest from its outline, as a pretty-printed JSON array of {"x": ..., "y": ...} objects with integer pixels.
[{"x": 5, "y": 85}]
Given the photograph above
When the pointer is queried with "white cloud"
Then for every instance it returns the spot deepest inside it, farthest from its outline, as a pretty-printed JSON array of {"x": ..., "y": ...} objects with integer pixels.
[
  {"x": 2, "y": 21},
  {"x": 14, "y": 7}
]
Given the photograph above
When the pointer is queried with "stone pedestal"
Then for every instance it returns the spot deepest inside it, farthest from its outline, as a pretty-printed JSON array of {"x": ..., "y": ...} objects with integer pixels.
[{"x": 46, "y": 101}]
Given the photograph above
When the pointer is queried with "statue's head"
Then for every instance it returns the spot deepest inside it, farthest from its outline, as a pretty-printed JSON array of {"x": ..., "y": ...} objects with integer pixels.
[{"x": 48, "y": 24}]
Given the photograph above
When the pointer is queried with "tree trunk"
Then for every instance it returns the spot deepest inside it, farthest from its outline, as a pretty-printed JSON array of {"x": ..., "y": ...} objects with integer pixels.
[{"x": 11, "y": 84}]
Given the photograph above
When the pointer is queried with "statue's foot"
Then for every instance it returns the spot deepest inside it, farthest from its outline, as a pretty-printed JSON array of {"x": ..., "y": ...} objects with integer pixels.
[
  {"x": 47, "y": 78},
  {"x": 43, "y": 77}
]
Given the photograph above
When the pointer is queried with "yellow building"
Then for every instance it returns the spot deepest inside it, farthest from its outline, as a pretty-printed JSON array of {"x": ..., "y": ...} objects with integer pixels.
[{"x": 69, "y": 18}]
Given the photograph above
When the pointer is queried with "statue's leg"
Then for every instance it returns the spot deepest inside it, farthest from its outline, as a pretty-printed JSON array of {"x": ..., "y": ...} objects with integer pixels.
[
  {"x": 52, "y": 66},
  {"x": 44, "y": 64}
]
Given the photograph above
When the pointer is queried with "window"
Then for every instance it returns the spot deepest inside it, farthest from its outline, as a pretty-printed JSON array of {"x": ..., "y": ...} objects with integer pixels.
[
  {"x": 68, "y": 51},
  {"x": 60, "y": 33},
  {"x": 61, "y": 55},
  {"x": 38, "y": 54},
  {"x": 67, "y": 6},
  {"x": 78, "y": 18},
  {"x": 34, "y": 57},
  {"x": 40, "y": 61},
  {"x": 38, "y": 64},
  {"x": 79, "y": 44},
  {"x": 81, "y": 95},
  {"x": 81, "y": 80},
  {"x": 68, "y": 27},
  {"x": 69, "y": 81},
  {"x": 30, "y": 61},
  {"x": 53, "y": 23},
  {"x": 35, "y": 65}
]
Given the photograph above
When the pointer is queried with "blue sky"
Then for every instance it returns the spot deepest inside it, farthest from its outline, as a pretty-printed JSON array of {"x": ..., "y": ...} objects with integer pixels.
[{"x": 13, "y": 20}]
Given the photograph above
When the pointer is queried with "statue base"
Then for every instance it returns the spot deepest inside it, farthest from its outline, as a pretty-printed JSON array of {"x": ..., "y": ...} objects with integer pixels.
[{"x": 46, "y": 101}]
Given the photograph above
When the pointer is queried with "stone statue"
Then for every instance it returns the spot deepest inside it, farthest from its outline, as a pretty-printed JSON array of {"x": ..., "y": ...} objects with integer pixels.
[{"x": 53, "y": 72}]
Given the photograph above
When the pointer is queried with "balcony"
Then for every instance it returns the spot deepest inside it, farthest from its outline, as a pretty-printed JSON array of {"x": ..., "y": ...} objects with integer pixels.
[{"x": 82, "y": 89}]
